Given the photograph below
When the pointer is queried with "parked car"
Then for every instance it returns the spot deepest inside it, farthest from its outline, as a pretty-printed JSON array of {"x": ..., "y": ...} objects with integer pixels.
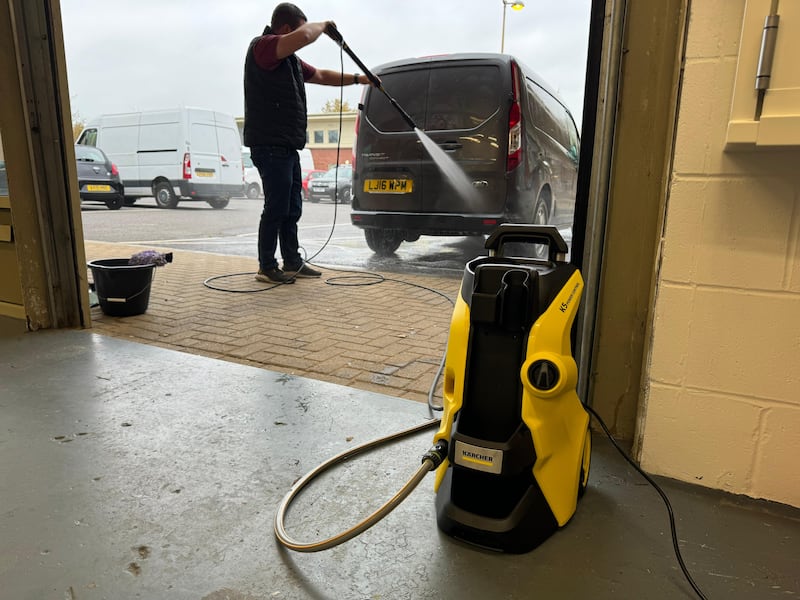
[
  {"x": 504, "y": 127},
  {"x": 336, "y": 184},
  {"x": 307, "y": 177},
  {"x": 252, "y": 179},
  {"x": 98, "y": 177}
]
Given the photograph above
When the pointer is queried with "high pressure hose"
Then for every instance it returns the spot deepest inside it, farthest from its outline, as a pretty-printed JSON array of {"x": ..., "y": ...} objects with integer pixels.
[{"x": 430, "y": 461}]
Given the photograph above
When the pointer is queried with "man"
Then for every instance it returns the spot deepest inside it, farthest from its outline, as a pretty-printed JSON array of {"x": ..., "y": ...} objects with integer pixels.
[{"x": 275, "y": 129}]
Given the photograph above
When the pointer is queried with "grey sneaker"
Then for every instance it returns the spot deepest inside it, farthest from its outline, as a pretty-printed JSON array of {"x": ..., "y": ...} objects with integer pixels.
[
  {"x": 274, "y": 276},
  {"x": 305, "y": 271}
]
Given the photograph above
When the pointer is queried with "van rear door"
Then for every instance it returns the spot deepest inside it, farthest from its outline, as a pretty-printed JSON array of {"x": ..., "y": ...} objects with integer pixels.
[
  {"x": 204, "y": 152},
  {"x": 389, "y": 159},
  {"x": 467, "y": 115},
  {"x": 462, "y": 106}
]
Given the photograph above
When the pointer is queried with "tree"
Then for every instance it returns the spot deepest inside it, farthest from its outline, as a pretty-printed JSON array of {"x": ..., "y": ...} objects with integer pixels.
[
  {"x": 78, "y": 125},
  {"x": 336, "y": 105}
]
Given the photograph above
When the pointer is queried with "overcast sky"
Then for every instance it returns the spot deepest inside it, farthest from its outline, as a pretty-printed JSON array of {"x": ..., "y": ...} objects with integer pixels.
[{"x": 129, "y": 55}]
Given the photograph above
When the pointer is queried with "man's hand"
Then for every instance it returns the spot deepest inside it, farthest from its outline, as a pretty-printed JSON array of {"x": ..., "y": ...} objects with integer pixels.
[{"x": 333, "y": 33}]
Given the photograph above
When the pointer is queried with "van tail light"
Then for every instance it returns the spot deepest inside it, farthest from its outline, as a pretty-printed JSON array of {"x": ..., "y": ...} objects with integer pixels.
[
  {"x": 355, "y": 137},
  {"x": 114, "y": 169},
  {"x": 187, "y": 166},
  {"x": 514, "y": 157}
]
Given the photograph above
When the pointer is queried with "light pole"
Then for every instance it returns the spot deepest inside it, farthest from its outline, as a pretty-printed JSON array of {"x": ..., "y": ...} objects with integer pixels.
[{"x": 515, "y": 5}]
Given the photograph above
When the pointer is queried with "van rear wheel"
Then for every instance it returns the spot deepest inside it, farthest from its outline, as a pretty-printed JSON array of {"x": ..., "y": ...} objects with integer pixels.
[
  {"x": 384, "y": 242},
  {"x": 165, "y": 197},
  {"x": 541, "y": 216}
]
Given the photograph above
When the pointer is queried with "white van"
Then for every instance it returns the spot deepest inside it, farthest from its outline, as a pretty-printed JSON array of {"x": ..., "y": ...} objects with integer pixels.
[
  {"x": 252, "y": 179},
  {"x": 173, "y": 154}
]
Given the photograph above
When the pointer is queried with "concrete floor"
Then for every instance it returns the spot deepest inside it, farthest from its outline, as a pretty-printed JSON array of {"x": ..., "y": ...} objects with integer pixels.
[{"x": 130, "y": 471}]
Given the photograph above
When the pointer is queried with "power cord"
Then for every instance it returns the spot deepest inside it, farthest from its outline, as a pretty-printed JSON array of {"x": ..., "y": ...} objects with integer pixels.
[{"x": 661, "y": 493}]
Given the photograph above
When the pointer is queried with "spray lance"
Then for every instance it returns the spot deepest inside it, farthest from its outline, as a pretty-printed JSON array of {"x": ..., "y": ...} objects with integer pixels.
[
  {"x": 462, "y": 184},
  {"x": 336, "y": 36}
]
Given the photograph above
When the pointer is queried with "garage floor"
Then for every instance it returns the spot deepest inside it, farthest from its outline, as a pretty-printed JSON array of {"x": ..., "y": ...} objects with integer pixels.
[{"x": 130, "y": 471}]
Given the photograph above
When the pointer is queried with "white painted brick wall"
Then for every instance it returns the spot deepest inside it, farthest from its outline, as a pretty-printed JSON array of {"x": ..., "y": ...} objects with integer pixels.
[{"x": 722, "y": 404}]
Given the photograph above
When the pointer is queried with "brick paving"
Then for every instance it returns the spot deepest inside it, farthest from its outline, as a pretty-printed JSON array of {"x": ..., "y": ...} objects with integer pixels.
[{"x": 386, "y": 337}]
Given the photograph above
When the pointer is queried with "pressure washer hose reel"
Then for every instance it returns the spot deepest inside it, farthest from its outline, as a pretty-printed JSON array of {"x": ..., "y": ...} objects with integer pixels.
[{"x": 518, "y": 437}]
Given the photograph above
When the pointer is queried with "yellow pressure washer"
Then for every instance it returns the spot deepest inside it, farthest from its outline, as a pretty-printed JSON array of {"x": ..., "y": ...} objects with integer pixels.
[
  {"x": 513, "y": 448},
  {"x": 518, "y": 438}
]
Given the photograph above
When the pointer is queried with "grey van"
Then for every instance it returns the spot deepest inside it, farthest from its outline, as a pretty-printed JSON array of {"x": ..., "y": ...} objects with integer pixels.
[{"x": 506, "y": 128}]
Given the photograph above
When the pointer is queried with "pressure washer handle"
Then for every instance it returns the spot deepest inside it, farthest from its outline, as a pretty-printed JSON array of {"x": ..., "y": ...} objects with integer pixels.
[
  {"x": 334, "y": 34},
  {"x": 530, "y": 234}
]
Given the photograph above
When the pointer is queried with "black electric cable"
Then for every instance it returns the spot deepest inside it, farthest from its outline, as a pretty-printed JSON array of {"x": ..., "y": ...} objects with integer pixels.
[{"x": 661, "y": 493}]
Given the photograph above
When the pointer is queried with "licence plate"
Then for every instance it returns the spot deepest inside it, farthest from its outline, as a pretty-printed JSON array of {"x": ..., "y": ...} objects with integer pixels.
[
  {"x": 388, "y": 186},
  {"x": 98, "y": 188},
  {"x": 200, "y": 173}
]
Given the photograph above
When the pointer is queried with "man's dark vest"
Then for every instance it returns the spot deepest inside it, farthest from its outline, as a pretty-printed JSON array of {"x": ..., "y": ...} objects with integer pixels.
[{"x": 275, "y": 112}]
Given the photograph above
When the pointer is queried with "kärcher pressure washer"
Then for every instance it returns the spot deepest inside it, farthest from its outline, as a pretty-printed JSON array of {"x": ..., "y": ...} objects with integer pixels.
[
  {"x": 513, "y": 447},
  {"x": 518, "y": 437}
]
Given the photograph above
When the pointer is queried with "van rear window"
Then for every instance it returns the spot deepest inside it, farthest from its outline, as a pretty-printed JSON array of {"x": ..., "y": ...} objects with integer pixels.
[
  {"x": 462, "y": 97},
  {"x": 438, "y": 98}
]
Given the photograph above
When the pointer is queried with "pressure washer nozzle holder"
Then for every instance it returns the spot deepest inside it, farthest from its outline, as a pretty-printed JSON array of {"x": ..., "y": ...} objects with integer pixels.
[{"x": 518, "y": 444}]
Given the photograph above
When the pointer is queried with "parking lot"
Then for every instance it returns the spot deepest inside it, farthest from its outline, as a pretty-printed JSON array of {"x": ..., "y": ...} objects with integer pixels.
[{"x": 233, "y": 231}]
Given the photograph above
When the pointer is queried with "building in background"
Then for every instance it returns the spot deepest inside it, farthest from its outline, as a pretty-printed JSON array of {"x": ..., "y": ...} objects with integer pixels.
[{"x": 328, "y": 133}]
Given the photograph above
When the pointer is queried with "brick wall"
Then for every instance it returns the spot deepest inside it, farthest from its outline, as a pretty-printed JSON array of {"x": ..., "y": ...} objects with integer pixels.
[{"x": 722, "y": 401}]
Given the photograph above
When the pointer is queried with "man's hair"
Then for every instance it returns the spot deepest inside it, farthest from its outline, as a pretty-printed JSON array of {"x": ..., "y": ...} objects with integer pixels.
[{"x": 287, "y": 14}]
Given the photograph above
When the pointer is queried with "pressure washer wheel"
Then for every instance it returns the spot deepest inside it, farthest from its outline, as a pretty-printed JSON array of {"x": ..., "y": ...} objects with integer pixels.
[{"x": 583, "y": 482}]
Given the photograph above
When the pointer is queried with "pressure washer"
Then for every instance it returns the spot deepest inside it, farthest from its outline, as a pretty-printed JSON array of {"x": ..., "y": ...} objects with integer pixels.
[
  {"x": 513, "y": 447},
  {"x": 518, "y": 437}
]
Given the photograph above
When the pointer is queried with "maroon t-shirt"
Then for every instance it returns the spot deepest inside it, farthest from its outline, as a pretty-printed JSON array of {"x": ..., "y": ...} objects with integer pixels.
[{"x": 266, "y": 55}]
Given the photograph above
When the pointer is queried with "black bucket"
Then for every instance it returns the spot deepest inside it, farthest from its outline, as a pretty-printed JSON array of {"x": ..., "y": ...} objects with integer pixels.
[{"x": 122, "y": 289}]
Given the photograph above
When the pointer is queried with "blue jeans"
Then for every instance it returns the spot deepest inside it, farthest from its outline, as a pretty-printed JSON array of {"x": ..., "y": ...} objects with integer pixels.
[{"x": 279, "y": 168}]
